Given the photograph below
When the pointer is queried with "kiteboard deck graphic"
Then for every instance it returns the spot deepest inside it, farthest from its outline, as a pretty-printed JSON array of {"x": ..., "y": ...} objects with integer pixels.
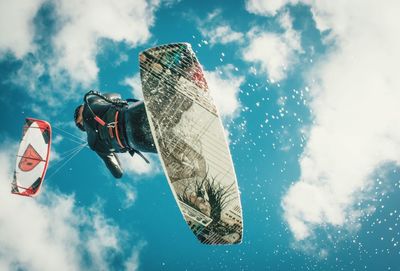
[{"x": 191, "y": 143}]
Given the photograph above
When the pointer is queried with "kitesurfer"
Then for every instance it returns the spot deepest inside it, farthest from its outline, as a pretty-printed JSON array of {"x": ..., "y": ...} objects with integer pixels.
[{"x": 114, "y": 126}]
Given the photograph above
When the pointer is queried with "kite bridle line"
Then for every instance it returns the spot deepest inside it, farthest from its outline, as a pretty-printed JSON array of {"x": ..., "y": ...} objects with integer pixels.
[
  {"x": 64, "y": 160},
  {"x": 69, "y": 154},
  {"x": 71, "y": 137}
]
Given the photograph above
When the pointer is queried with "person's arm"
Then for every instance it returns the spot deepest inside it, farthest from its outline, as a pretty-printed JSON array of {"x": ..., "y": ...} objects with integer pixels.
[{"x": 112, "y": 162}]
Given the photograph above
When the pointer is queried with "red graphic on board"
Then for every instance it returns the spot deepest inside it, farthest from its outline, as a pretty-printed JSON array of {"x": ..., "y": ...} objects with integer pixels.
[
  {"x": 198, "y": 77},
  {"x": 30, "y": 159}
]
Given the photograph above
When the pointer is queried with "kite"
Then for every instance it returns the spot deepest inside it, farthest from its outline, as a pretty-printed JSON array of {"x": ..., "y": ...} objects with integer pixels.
[{"x": 32, "y": 158}]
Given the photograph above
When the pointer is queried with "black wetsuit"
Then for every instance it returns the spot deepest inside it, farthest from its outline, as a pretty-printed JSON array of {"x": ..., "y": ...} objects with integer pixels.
[{"x": 120, "y": 127}]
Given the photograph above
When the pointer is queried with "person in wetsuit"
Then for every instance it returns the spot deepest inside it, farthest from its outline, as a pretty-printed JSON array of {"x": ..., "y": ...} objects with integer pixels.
[{"x": 114, "y": 126}]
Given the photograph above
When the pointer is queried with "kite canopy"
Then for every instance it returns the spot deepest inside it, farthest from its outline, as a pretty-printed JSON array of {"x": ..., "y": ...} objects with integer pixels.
[{"x": 32, "y": 158}]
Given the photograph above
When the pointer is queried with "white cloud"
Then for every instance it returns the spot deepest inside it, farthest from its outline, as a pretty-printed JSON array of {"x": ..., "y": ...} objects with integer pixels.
[
  {"x": 355, "y": 103},
  {"x": 50, "y": 232},
  {"x": 130, "y": 194},
  {"x": 54, "y": 155},
  {"x": 132, "y": 264},
  {"x": 217, "y": 31},
  {"x": 57, "y": 139},
  {"x": 224, "y": 86},
  {"x": 137, "y": 169},
  {"x": 102, "y": 238},
  {"x": 67, "y": 60},
  {"x": 16, "y": 26},
  {"x": 135, "y": 84},
  {"x": 137, "y": 166},
  {"x": 53, "y": 92},
  {"x": 275, "y": 53},
  {"x": 267, "y": 8},
  {"x": 221, "y": 34},
  {"x": 87, "y": 22}
]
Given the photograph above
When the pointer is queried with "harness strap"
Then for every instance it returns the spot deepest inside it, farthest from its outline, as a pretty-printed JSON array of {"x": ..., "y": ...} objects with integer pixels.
[{"x": 116, "y": 131}]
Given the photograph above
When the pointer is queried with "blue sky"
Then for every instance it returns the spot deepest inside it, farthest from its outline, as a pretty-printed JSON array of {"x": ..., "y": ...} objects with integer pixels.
[{"x": 309, "y": 95}]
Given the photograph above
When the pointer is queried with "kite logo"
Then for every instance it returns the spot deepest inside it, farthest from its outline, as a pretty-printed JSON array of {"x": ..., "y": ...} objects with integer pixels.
[{"x": 30, "y": 159}]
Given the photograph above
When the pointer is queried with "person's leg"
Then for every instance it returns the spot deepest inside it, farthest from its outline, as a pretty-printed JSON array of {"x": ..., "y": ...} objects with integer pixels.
[{"x": 137, "y": 127}]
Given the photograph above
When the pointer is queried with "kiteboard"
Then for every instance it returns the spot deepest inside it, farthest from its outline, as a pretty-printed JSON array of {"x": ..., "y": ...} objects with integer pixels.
[
  {"x": 32, "y": 158},
  {"x": 191, "y": 143}
]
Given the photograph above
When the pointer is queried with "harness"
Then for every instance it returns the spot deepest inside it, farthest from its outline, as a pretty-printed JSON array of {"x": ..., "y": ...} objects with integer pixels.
[{"x": 115, "y": 128}]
